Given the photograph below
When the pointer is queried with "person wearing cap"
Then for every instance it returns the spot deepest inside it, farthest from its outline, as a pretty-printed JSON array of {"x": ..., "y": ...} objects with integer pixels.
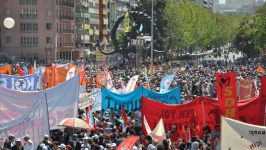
[
  {"x": 27, "y": 143},
  {"x": 62, "y": 146},
  {"x": 18, "y": 145},
  {"x": 9, "y": 142},
  {"x": 45, "y": 142},
  {"x": 55, "y": 145},
  {"x": 68, "y": 147}
]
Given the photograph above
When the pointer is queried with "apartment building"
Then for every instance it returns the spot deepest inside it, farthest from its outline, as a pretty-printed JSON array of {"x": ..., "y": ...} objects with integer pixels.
[
  {"x": 43, "y": 31},
  {"x": 205, "y": 3},
  {"x": 91, "y": 24}
]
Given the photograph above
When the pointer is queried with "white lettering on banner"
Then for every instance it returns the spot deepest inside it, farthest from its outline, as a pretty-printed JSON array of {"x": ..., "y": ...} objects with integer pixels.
[
  {"x": 3, "y": 82},
  {"x": 18, "y": 84}
]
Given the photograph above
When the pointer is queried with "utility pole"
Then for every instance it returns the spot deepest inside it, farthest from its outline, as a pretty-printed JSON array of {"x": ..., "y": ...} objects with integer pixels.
[
  {"x": 83, "y": 32},
  {"x": 151, "y": 39},
  {"x": 197, "y": 40}
]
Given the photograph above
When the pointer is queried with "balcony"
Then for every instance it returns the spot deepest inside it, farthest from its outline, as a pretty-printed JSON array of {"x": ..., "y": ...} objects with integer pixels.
[
  {"x": 105, "y": 21},
  {"x": 67, "y": 44},
  {"x": 22, "y": 16},
  {"x": 104, "y": 32},
  {"x": 34, "y": 2},
  {"x": 104, "y": 2},
  {"x": 35, "y": 16},
  {"x": 80, "y": 2},
  {"x": 63, "y": 17},
  {"x": 105, "y": 11},
  {"x": 28, "y": 16},
  {"x": 80, "y": 15},
  {"x": 86, "y": 26},
  {"x": 66, "y": 4},
  {"x": 66, "y": 31}
]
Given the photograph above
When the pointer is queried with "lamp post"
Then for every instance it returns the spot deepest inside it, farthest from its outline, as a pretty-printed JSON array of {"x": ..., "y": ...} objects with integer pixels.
[
  {"x": 151, "y": 39},
  {"x": 9, "y": 24},
  {"x": 197, "y": 32}
]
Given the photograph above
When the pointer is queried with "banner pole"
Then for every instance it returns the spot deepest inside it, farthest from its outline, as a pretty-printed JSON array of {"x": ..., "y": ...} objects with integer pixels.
[
  {"x": 203, "y": 114},
  {"x": 47, "y": 113},
  {"x": 265, "y": 115}
]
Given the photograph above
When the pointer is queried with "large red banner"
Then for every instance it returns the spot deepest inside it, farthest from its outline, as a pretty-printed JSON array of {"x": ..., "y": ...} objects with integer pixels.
[
  {"x": 226, "y": 93},
  {"x": 198, "y": 113}
]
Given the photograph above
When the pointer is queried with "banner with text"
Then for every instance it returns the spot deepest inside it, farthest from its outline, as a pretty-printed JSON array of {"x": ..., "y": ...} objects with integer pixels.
[
  {"x": 62, "y": 102},
  {"x": 34, "y": 123},
  {"x": 20, "y": 83},
  {"x": 133, "y": 99},
  {"x": 238, "y": 135},
  {"x": 191, "y": 114},
  {"x": 6, "y": 70},
  {"x": 226, "y": 92},
  {"x": 94, "y": 99}
]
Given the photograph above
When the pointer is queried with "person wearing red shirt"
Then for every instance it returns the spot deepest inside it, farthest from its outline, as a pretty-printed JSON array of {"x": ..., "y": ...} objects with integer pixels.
[{"x": 142, "y": 141}]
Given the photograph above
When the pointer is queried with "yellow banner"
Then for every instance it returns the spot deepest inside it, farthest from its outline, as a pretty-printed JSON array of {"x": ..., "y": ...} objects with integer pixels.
[{"x": 126, "y": 23}]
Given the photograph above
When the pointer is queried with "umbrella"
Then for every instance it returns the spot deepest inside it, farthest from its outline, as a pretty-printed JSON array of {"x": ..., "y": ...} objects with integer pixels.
[{"x": 74, "y": 123}]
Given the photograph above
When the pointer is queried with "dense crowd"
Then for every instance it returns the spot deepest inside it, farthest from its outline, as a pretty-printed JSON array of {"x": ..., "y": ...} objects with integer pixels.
[{"x": 109, "y": 131}]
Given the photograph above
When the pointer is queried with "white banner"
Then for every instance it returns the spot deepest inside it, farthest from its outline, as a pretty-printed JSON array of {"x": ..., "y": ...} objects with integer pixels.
[
  {"x": 62, "y": 102},
  {"x": 94, "y": 99},
  {"x": 236, "y": 135},
  {"x": 34, "y": 123}
]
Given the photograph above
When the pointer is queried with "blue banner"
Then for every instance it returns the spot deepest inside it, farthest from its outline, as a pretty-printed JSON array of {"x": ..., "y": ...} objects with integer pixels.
[
  {"x": 132, "y": 100},
  {"x": 170, "y": 97},
  {"x": 20, "y": 83}
]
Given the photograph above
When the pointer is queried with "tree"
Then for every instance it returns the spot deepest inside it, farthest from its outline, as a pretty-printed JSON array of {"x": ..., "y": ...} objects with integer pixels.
[{"x": 244, "y": 37}]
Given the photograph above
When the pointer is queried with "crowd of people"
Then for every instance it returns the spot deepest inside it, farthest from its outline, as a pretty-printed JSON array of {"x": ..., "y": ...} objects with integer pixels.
[{"x": 109, "y": 131}]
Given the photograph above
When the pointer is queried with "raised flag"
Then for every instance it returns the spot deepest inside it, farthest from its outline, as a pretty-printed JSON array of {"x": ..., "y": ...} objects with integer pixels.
[
  {"x": 128, "y": 143},
  {"x": 109, "y": 84},
  {"x": 56, "y": 76},
  {"x": 89, "y": 117},
  {"x": 166, "y": 82},
  {"x": 131, "y": 84},
  {"x": 20, "y": 71},
  {"x": 124, "y": 115},
  {"x": 25, "y": 69},
  {"x": 70, "y": 73}
]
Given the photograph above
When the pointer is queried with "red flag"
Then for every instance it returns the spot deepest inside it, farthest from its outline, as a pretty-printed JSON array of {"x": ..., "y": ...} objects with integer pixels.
[
  {"x": 128, "y": 143},
  {"x": 20, "y": 72},
  {"x": 124, "y": 115},
  {"x": 226, "y": 91},
  {"x": 263, "y": 86},
  {"x": 56, "y": 76}
]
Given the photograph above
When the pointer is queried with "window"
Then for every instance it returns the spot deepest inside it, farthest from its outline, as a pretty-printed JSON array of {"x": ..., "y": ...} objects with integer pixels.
[
  {"x": 23, "y": 56},
  {"x": 35, "y": 27},
  {"x": 22, "y": 1},
  {"x": 48, "y": 12},
  {"x": 28, "y": 27},
  {"x": 8, "y": 39},
  {"x": 8, "y": 11},
  {"x": 22, "y": 13},
  {"x": 28, "y": 1},
  {"x": 28, "y": 13},
  {"x": 34, "y": 13},
  {"x": 35, "y": 41},
  {"x": 34, "y": 2},
  {"x": 48, "y": 0},
  {"x": 29, "y": 41},
  {"x": 48, "y": 26},
  {"x": 48, "y": 40},
  {"x": 22, "y": 41},
  {"x": 22, "y": 27}
]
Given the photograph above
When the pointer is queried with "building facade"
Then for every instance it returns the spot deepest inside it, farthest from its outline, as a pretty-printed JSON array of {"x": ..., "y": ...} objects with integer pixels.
[
  {"x": 91, "y": 24},
  {"x": 43, "y": 31},
  {"x": 205, "y": 3},
  {"x": 240, "y": 2}
]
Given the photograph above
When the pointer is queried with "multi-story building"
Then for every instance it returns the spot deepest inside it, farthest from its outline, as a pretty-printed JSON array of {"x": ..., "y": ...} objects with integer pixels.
[
  {"x": 43, "y": 31},
  {"x": 91, "y": 23},
  {"x": 118, "y": 8},
  {"x": 205, "y": 3},
  {"x": 240, "y": 2}
]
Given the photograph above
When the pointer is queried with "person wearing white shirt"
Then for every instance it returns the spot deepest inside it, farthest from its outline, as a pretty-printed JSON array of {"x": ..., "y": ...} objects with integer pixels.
[{"x": 27, "y": 143}]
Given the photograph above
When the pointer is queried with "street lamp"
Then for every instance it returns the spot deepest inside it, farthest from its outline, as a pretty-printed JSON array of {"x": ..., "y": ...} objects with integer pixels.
[{"x": 9, "y": 24}]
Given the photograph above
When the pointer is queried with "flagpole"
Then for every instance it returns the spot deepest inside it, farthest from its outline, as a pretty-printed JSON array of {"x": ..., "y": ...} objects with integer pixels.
[
  {"x": 47, "y": 114},
  {"x": 151, "y": 39}
]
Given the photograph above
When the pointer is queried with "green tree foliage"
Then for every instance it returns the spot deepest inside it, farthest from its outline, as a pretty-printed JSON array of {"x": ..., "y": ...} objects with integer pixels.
[{"x": 244, "y": 37}]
